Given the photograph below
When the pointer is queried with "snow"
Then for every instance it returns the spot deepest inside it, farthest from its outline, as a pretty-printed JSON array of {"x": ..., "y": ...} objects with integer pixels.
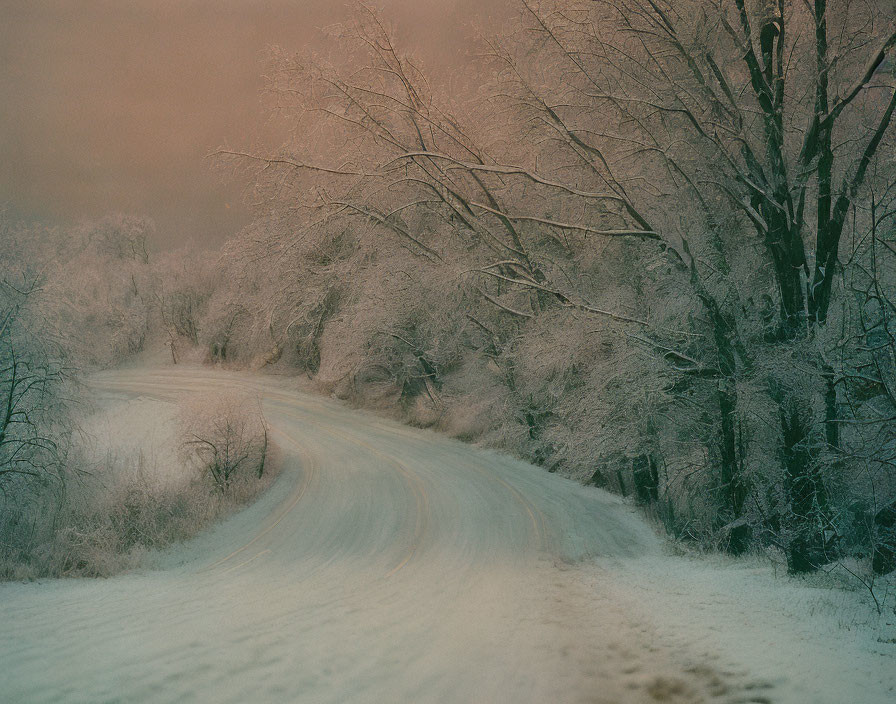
[
  {"x": 121, "y": 430},
  {"x": 809, "y": 641},
  {"x": 390, "y": 564}
]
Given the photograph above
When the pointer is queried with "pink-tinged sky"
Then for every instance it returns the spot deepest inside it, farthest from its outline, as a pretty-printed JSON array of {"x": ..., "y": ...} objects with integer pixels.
[{"x": 112, "y": 105}]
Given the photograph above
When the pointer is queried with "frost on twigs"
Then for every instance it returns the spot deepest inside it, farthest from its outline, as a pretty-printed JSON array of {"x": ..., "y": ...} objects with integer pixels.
[{"x": 225, "y": 437}]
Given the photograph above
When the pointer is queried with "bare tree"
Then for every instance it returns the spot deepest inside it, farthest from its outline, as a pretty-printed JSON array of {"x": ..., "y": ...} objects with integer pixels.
[
  {"x": 226, "y": 436},
  {"x": 35, "y": 406}
]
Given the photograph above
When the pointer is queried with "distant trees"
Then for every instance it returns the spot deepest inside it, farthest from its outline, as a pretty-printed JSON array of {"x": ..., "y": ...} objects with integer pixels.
[
  {"x": 104, "y": 294},
  {"x": 278, "y": 294},
  {"x": 183, "y": 281},
  {"x": 97, "y": 289}
]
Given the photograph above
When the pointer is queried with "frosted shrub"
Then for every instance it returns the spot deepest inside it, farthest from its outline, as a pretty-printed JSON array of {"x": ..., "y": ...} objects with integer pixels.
[{"x": 224, "y": 435}]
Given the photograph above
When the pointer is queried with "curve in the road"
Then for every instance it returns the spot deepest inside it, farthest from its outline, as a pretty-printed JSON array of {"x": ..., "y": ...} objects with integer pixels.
[{"x": 385, "y": 564}]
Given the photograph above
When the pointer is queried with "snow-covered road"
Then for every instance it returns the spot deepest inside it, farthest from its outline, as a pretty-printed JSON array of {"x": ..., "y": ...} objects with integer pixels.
[{"x": 386, "y": 564}]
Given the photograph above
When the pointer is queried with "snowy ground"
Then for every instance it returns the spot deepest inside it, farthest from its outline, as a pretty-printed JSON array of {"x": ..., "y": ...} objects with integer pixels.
[
  {"x": 392, "y": 565},
  {"x": 126, "y": 433}
]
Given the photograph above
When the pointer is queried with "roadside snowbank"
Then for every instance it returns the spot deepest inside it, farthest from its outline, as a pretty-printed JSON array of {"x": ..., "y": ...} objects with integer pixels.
[{"x": 811, "y": 642}]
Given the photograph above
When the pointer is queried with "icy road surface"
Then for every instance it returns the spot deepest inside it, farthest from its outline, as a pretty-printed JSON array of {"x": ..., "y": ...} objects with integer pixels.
[{"x": 392, "y": 565}]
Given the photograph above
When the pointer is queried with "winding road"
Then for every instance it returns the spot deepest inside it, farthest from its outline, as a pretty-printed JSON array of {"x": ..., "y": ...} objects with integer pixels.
[{"x": 385, "y": 564}]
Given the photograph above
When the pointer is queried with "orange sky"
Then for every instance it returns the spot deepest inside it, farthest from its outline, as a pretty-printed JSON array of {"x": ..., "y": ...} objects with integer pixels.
[{"x": 112, "y": 105}]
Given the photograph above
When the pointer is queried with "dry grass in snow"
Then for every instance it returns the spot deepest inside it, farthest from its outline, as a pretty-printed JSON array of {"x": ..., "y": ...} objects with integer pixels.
[{"x": 138, "y": 483}]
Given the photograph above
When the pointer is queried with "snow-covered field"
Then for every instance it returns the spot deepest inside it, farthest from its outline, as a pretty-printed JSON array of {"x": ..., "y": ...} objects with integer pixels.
[
  {"x": 393, "y": 565},
  {"x": 141, "y": 431}
]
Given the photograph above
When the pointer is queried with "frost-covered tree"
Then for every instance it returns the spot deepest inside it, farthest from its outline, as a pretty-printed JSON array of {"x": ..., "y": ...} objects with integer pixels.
[
  {"x": 98, "y": 288},
  {"x": 35, "y": 395},
  {"x": 225, "y": 437}
]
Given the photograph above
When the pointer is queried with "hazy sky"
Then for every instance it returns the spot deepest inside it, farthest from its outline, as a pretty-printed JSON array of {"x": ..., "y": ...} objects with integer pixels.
[{"x": 112, "y": 105}]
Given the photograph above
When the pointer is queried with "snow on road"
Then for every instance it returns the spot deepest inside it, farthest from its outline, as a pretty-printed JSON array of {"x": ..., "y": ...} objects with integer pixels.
[{"x": 392, "y": 565}]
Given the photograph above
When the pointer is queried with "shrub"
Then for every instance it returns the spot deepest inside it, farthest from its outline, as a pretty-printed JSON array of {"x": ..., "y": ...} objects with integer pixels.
[
  {"x": 225, "y": 437},
  {"x": 123, "y": 503}
]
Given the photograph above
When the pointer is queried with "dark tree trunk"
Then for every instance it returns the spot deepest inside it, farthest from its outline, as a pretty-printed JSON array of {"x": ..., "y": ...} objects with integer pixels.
[
  {"x": 733, "y": 486},
  {"x": 883, "y": 560},
  {"x": 806, "y": 550},
  {"x": 646, "y": 479},
  {"x": 620, "y": 479},
  {"x": 831, "y": 409}
]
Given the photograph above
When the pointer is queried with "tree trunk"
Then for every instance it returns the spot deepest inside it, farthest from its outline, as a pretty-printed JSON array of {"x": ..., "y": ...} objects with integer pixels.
[
  {"x": 731, "y": 483},
  {"x": 831, "y": 410},
  {"x": 806, "y": 550},
  {"x": 646, "y": 479},
  {"x": 883, "y": 560},
  {"x": 733, "y": 488},
  {"x": 264, "y": 453}
]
